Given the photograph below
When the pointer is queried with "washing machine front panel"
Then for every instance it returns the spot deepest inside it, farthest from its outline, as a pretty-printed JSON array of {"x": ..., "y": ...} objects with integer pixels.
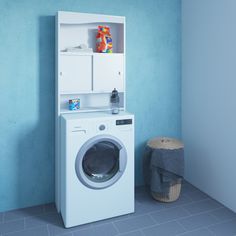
[
  {"x": 82, "y": 204},
  {"x": 101, "y": 161}
]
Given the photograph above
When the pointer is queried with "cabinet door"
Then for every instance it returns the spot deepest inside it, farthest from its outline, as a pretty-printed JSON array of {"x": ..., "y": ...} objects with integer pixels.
[
  {"x": 108, "y": 72},
  {"x": 75, "y": 73}
]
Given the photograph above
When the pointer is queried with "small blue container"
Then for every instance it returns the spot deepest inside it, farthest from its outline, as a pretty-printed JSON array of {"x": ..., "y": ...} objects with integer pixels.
[{"x": 74, "y": 104}]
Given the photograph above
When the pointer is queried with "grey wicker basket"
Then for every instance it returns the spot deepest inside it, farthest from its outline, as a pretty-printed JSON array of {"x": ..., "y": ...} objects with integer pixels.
[
  {"x": 173, "y": 195},
  {"x": 175, "y": 189}
]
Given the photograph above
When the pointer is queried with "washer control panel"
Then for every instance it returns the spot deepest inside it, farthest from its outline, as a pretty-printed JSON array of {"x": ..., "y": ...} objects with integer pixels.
[{"x": 124, "y": 122}]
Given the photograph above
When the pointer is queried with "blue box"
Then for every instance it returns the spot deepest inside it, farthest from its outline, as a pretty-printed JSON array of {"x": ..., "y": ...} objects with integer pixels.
[{"x": 74, "y": 104}]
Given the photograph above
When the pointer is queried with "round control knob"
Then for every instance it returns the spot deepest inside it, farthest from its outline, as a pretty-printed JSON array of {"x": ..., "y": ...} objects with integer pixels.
[{"x": 102, "y": 127}]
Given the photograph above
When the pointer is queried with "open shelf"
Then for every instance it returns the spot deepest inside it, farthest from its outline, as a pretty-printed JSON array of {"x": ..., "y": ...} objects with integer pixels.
[
  {"x": 89, "y": 102},
  {"x": 72, "y": 35}
]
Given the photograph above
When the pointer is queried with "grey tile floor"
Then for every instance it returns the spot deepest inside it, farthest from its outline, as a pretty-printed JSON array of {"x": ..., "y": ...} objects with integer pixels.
[{"x": 194, "y": 214}]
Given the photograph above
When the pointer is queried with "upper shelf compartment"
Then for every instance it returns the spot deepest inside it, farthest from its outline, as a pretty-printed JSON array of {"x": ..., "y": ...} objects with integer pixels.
[
  {"x": 84, "y": 73},
  {"x": 73, "y": 35}
]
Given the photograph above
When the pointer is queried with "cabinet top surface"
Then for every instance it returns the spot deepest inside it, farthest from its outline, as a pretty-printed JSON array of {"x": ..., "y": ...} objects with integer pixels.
[
  {"x": 104, "y": 114},
  {"x": 67, "y": 17}
]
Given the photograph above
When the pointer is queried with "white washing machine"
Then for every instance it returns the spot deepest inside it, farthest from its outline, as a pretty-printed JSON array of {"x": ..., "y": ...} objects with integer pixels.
[{"x": 97, "y": 166}]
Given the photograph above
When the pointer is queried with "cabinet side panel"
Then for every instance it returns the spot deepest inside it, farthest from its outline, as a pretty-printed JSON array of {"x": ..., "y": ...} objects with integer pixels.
[{"x": 57, "y": 113}]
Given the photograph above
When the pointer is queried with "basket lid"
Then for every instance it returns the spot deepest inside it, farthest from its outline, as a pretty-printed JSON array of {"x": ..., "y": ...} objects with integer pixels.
[{"x": 165, "y": 143}]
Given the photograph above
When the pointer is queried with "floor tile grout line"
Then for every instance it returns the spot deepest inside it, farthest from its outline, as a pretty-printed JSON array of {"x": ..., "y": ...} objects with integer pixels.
[
  {"x": 142, "y": 228},
  {"x": 150, "y": 214},
  {"x": 133, "y": 231},
  {"x": 210, "y": 213},
  {"x": 158, "y": 223},
  {"x": 190, "y": 231},
  {"x": 29, "y": 216},
  {"x": 180, "y": 218},
  {"x": 207, "y": 198},
  {"x": 21, "y": 230},
  {"x": 163, "y": 209},
  {"x": 175, "y": 206},
  {"x": 35, "y": 216},
  {"x": 156, "y": 211},
  {"x": 230, "y": 218},
  {"x": 3, "y": 217},
  {"x": 150, "y": 226},
  {"x": 24, "y": 225},
  {"x": 213, "y": 233},
  {"x": 131, "y": 217},
  {"x": 171, "y": 208},
  {"x": 181, "y": 226},
  {"x": 109, "y": 222},
  {"x": 14, "y": 231},
  {"x": 117, "y": 220},
  {"x": 142, "y": 233},
  {"x": 189, "y": 214},
  {"x": 48, "y": 230},
  {"x": 145, "y": 213},
  {"x": 139, "y": 229},
  {"x": 202, "y": 200},
  {"x": 42, "y": 206},
  {"x": 9, "y": 221},
  {"x": 205, "y": 227},
  {"x": 63, "y": 234},
  {"x": 168, "y": 221},
  {"x": 202, "y": 212},
  {"x": 221, "y": 222},
  {"x": 116, "y": 228}
]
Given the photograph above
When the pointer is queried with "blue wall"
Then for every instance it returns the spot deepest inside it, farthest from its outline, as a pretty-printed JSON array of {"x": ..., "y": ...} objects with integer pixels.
[
  {"x": 208, "y": 95},
  {"x": 27, "y": 86}
]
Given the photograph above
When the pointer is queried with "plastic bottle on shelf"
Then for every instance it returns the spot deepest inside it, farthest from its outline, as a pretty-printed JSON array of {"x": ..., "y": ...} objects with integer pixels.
[{"x": 115, "y": 102}]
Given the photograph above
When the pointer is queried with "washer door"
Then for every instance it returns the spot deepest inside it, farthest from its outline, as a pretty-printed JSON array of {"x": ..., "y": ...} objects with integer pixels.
[{"x": 101, "y": 161}]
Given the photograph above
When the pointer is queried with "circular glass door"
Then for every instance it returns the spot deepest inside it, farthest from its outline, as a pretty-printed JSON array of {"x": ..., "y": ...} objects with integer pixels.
[{"x": 101, "y": 161}]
